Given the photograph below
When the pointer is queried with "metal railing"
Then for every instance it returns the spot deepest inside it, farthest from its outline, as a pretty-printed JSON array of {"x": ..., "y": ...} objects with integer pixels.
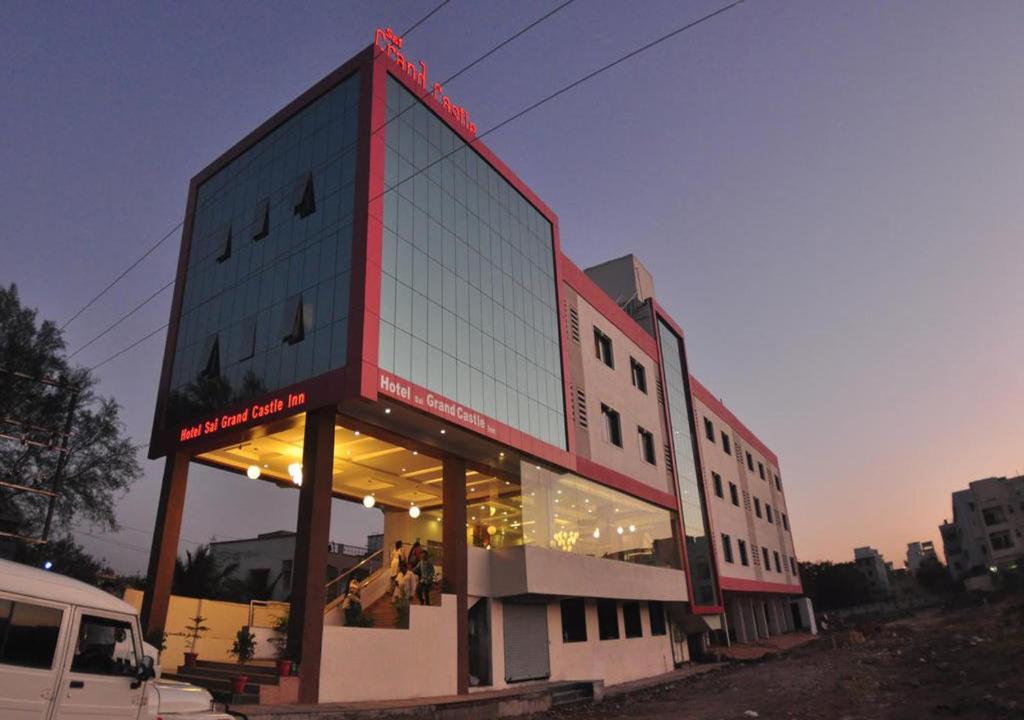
[{"x": 334, "y": 588}]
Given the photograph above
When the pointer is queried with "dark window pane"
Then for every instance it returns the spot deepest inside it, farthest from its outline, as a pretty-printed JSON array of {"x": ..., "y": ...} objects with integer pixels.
[
  {"x": 631, "y": 619},
  {"x": 608, "y": 619},
  {"x": 574, "y": 620},
  {"x": 104, "y": 647},
  {"x": 656, "y": 610},
  {"x": 31, "y": 634}
]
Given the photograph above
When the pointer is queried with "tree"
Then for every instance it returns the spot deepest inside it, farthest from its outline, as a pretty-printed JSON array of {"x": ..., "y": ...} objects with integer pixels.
[
  {"x": 834, "y": 585},
  {"x": 66, "y": 557},
  {"x": 101, "y": 462},
  {"x": 201, "y": 574}
]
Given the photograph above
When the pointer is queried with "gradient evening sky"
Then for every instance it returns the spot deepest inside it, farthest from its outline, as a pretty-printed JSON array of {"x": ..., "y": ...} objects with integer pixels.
[{"x": 829, "y": 196}]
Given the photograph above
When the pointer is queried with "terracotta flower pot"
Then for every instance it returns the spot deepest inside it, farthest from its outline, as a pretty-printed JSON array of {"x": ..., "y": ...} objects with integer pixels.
[
  {"x": 284, "y": 668},
  {"x": 238, "y": 683},
  {"x": 190, "y": 659}
]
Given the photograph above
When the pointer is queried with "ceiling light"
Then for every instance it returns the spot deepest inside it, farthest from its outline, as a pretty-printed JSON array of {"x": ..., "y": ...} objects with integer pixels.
[
  {"x": 295, "y": 471},
  {"x": 597, "y": 533},
  {"x": 253, "y": 472},
  {"x": 387, "y": 411},
  {"x": 501, "y": 454},
  {"x": 632, "y": 528},
  {"x": 443, "y": 431},
  {"x": 414, "y": 512},
  {"x": 491, "y": 530},
  {"x": 369, "y": 501},
  {"x": 619, "y": 530},
  {"x": 357, "y": 433}
]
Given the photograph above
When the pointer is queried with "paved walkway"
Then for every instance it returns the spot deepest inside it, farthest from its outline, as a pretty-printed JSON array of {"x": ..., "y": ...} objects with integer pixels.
[
  {"x": 762, "y": 648},
  {"x": 480, "y": 704}
]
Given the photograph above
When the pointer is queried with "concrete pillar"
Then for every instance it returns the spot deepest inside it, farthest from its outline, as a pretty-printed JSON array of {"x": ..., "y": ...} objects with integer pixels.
[
  {"x": 787, "y": 614},
  {"x": 164, "y": 549},
  {"x": 454, "y": 556},
  {"x": 751, "y": 613},
  {"x": 774, "y": 621},
  {"x": 738, "y": 620},
  {"x": 760, "y": 622},
  {"x": 313, "y": 531}
]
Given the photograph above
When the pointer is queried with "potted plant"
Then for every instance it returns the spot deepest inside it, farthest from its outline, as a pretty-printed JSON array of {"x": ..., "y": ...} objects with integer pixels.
[
  {"x": 280, "y": 642},
  {"x": 194, "y": 632},
  {"x": 244, "y": 648}
]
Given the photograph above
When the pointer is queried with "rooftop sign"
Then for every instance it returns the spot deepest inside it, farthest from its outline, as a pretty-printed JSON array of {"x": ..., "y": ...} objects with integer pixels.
[{"x": 391, "y": 44}]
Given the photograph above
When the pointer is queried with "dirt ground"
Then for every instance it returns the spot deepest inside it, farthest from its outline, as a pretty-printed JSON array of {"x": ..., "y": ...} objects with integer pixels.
[{"x": 963, "y": 663}]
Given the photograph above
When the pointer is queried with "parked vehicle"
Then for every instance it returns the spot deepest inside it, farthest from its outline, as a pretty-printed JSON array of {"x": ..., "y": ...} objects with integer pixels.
[{"x": 69, "y": 651}]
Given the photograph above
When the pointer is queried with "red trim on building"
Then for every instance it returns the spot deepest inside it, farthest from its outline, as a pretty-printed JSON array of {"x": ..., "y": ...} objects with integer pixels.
[
  {"x": 737, "y": 585},
  {"x": 715, "y": 405},
  {"x": 587, "y": 289},
  {"x": 624, "y": 483}
]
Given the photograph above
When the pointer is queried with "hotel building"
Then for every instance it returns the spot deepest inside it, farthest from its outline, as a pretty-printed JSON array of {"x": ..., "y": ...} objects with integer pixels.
[{"x": 372, "y": 307}]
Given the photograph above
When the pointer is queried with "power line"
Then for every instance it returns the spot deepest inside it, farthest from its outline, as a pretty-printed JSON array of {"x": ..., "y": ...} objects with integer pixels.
[
  {"x": 122, "y": 318},
  {"x": 122, "y": 351},
  {"x": 124, "y": 272},
  {"x": 576, "y": 83},
  {"x": 425, "y": 17}
]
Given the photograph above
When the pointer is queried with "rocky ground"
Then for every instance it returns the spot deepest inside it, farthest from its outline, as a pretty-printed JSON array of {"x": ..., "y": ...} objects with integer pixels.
[{"x": 950, "y": 663}]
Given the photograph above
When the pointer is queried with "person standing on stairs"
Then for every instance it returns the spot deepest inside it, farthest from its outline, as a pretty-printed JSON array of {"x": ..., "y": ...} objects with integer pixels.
[
  {"x": 397, "y": 559},
  {"x": 426, "y": 578}
]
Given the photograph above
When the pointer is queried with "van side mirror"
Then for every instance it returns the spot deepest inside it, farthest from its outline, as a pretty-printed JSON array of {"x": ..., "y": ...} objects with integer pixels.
[{"x": 145, "y": 671}]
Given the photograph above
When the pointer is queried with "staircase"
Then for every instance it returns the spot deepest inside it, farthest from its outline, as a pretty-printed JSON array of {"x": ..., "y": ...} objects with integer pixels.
[{"x": 216, "y": 677}]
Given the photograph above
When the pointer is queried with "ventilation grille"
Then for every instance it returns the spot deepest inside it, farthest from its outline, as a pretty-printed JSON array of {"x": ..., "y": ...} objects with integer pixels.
[
  {"x": 659, "y": 390},
  {"x": 755, "y": 555},
  {"x": 579, "y": 406},
  {"x": 574, "y": 324},
  {"x": 746, "y": 501},
  {"x": 668, "y": 462}
]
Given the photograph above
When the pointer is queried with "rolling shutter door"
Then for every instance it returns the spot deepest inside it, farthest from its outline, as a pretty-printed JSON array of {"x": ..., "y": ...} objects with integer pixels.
[{"x": 526, "y": 642}]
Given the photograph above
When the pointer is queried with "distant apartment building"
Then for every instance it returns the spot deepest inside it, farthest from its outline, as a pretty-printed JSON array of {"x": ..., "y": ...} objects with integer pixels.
[
  {"x": 987, "y": 529},
  {"x": 918, "y": 552},
  {"x": 265, "y": 561},
  {"x": 875, "y": 569}
]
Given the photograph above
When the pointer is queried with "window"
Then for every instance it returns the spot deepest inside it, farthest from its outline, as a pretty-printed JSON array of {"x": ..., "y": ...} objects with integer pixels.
[
  {"x": 247, "y": 338},
  {"x": 639, "y": 375},
  {"x": 760, "y": 469},
  {"x": 726, "y": 443},
  {"x": 757, "y": 506},
  {"x": 778, "y": 565},
  {"x": 304, "y": 196},
  {"x": 646, "y": 445},
  {"x": 993, "y": 515},
  {"x": 716, "y": 479},
  {"x": 750, "y": 463},
  {"x": 785, "y": 521},
  {"x": 607, "y": 620},
  {"x": 574, "y": 620},
  {"x": 224, "y": 243},
  {"x": 727, "y": 548},
  {"x": 656, "y": 611},
  {"x": 612, "y": 425},
  {"x": 768, "y": 513},
  {"x": 603, "y": 348},
  {"x": 734, "y": 495},
  {"x": 767, "y": 559},
  {"x": 744, "y": 560},
  {"x": 709, "y": 430},
  {"x": 792, "y": 564},
  {"x": 1001, "y": 540},
  {"x": 261, "y": 219},
  {"x": 293, "y": 327},
  {"x": 104, "y": 647},
  {"x": 28, "y": 634},
  {"x": 778, "y": 483},
  {"x": 211, "y": 356},
  {"x": 631, "y": 619}
]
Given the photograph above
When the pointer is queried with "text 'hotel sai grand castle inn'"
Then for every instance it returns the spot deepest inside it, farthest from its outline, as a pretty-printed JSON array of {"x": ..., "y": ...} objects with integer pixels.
[{"x": 372, "y": 307}]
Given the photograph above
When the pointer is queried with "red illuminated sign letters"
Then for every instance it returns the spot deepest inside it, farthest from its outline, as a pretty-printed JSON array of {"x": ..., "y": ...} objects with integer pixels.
[
  {"x": 254, "y": 413},
  {"x": 391, "y": 44}
]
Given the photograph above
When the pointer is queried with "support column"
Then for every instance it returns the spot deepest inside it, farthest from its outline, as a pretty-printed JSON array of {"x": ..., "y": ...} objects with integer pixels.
[
  {"x": 313, "y": 529},
  {"x": 454, "y": 554},
  {"x": 164, "y": 550}
]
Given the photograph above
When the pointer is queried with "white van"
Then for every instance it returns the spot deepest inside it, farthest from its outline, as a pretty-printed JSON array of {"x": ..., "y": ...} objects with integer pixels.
[{"x": 69, "y": 651}]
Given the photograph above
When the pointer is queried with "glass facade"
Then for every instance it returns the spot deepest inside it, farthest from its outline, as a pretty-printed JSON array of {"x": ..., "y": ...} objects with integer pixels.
[
  {"x": 267, "y": 287},
  {"x": 468, "y": 301},
  {"x": 691, "y": 497},
  {"x": 565, "y": 512}
]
